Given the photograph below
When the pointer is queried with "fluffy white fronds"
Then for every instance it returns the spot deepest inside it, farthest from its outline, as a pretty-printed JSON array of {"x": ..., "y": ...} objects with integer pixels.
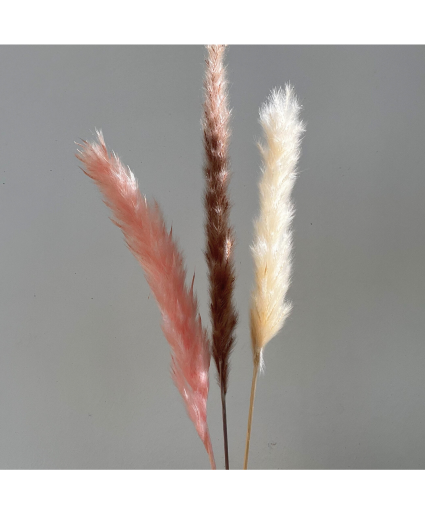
[{"x": 271, "y": 249}]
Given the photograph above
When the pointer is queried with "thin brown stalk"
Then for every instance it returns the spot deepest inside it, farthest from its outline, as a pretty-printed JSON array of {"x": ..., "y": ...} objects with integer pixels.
[{"x": 219, "y": 234}]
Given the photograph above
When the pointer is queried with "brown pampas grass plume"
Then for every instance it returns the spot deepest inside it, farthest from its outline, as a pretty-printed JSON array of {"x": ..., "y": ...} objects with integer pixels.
[
  {"x": 153, "y": 246},
  {"x": 219, "y": 234},
  {"x": 279, "y": 118}
]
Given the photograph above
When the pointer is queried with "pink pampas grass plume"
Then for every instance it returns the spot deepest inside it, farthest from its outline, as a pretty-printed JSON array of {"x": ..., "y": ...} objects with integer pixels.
[
  {"x": 144, "y": 231},
  {"x": 220, "y": 239}
]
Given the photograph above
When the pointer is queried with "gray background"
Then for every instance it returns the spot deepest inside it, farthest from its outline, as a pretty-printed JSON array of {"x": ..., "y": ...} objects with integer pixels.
[{"x": 84, "y": 366}]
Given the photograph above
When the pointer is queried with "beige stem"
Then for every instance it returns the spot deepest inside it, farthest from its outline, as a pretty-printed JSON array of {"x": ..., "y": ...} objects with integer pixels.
[{"x": 251, "y": 407}]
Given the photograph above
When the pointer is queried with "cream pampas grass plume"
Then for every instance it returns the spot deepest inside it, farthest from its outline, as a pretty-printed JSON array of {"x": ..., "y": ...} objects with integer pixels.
[
  {"x": 219, "y": 234},
  {"x": 153, "y": 246},
  {"x": 279, "y": 118}
]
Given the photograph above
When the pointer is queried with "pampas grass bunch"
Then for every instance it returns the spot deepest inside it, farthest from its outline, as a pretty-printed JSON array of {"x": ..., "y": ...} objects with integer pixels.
[{"x": 145, "y": 233}]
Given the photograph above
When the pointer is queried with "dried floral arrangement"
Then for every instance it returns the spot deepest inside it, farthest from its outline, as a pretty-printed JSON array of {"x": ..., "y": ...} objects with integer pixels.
[{"x": 145, "y": 234}]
